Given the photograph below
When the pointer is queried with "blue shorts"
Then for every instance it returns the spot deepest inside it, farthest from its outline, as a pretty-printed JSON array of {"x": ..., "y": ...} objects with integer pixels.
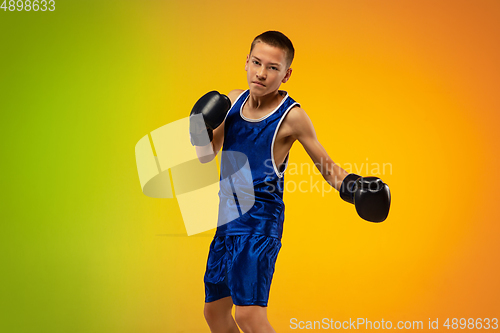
[{"x": 242, "y": 267}]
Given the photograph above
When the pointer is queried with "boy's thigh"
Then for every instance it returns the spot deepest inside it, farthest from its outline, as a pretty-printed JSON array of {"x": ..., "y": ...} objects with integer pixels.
[
  {"x": 251, "y": 269},
  {"x": 216, "y": 271},
  {"x": 242, "y": 267}
]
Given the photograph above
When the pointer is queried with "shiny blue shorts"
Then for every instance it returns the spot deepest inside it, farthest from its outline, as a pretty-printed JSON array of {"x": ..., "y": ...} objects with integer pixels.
[{"x": 242, "y": 267}]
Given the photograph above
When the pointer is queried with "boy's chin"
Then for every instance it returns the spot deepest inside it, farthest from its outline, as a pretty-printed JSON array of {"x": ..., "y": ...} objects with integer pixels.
[
  {"x": 260, "y": 91},
  {"x": 257, "y": 91}
]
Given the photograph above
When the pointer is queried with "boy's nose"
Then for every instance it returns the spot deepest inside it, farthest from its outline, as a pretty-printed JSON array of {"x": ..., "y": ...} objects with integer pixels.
[{"x": 261, "y": 74}]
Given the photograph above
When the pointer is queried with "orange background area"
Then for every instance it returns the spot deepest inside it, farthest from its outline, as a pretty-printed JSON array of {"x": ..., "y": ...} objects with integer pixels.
[{"x": 409, "y": 84}]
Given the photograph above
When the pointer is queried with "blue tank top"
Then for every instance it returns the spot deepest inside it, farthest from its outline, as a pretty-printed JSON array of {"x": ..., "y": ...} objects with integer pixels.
[{"x": 251, "y": 186}]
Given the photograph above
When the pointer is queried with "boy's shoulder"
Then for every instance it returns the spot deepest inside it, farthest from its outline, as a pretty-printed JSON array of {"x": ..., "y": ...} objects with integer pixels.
[
  {"x": 296, "y": 122},
  {"x": 233, "y": 94},
  {"x": 296, "y": 115}
]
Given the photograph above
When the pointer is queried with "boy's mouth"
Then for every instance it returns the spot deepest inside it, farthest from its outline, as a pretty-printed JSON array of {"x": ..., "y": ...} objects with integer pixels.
[{"x": 258, "y": 83}]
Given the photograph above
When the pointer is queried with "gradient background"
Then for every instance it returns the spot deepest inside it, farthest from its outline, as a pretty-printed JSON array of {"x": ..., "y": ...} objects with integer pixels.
[{"x": 410, "y": 83}]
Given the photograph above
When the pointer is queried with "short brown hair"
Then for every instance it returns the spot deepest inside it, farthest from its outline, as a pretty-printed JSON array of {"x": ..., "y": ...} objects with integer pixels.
[{"x": 276, "y": 39}]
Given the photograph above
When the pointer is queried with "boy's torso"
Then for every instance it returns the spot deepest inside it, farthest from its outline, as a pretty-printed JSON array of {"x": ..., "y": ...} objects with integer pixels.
[
  {"x": 259, "y": 206},
  {"x": 284, "y": 137}
]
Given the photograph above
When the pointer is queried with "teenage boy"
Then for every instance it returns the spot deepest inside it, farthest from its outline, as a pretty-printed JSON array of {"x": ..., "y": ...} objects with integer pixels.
[{"x": 262, "y": 123}]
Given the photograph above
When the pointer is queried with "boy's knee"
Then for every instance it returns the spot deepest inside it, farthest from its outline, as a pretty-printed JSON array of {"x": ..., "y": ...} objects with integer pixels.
[
  {"x": 241, "y": 317},
  {"x": 209, "y": 313},
  {"x": 250, "y": 316},
  {"x": 212, "y": 314}
]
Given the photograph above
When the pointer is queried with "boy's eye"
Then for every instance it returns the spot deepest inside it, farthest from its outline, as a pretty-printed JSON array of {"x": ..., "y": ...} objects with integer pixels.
[
  {"x": 255, "y": 62},
  {"x": 274, "y": 68}
]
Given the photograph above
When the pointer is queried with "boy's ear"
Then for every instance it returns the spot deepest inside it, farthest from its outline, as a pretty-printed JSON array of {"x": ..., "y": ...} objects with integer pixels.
[
  {"x": 287, "y": 75},
  {"x": 246, "y": 63}
]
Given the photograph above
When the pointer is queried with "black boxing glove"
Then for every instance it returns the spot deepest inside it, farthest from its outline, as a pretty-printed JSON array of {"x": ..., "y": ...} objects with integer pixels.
[
  {"x": 370, "y": 195},
  {"x": 213, "y": 108}
]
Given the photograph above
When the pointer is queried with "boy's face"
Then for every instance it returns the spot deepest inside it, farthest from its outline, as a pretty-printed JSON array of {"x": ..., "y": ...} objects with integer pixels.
[{"x": 266, "y": 69}]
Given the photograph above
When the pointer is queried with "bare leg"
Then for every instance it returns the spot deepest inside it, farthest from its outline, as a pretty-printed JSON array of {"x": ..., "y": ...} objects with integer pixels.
[
  {"x": 218, "y": 316},
  {"x": 253, "y": 318}
]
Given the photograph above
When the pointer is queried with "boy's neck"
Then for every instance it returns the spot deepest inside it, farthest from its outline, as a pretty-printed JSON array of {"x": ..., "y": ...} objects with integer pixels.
[{"x": 265, "y": 102}]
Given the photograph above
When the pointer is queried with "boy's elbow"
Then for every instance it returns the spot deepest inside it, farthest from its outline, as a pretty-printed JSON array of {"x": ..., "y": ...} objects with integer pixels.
[
  {"x": 206, "y": 158},
  {"x": 205, "y": 154}
]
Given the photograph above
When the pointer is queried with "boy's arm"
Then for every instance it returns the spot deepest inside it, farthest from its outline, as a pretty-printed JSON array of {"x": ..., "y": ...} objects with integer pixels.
[
  {"x": 370, "y": 195},
  {"x": 303, "y": 131},
  {"x": 207, "y": 153}
]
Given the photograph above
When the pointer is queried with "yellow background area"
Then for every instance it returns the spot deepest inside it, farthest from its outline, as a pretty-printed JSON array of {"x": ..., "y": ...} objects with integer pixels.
[{"x": 412, "y": 85}]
